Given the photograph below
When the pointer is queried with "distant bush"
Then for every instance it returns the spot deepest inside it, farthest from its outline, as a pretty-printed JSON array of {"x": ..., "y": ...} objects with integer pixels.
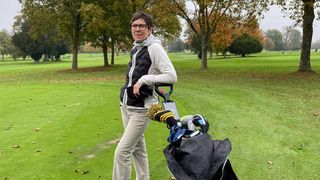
[{"x": 245, "y": 44}]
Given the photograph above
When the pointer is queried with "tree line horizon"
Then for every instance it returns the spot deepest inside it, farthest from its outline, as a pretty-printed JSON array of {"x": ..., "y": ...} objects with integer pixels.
[{"x": 54, "y": 27}]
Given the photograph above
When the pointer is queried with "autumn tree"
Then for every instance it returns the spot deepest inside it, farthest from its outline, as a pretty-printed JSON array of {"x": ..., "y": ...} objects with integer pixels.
[
  {"x": 233, "y": 28},
  {"x": 203, "y": 11},
  {"x": 224, "y": 35}
]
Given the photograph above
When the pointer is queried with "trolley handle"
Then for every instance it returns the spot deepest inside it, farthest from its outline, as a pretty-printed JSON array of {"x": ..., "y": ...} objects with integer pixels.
[{"x": 164, "y": 95}]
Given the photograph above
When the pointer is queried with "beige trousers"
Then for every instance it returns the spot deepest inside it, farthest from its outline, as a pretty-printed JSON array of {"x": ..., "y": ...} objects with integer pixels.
[{"x": 132, "y": 146}]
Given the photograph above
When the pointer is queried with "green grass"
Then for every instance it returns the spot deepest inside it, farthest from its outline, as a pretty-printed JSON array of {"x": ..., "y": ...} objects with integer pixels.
[{"x": 269, "y": 112}]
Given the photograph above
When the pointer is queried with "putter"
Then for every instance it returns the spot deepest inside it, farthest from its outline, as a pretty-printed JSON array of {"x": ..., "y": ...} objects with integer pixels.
[{"x": 167, "y": 103}]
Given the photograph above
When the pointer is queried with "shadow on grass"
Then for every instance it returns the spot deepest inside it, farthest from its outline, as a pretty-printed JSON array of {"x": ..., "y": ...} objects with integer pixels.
[
  {"x": 94, "y": 69},
  {"x": 29, "y": 62}
]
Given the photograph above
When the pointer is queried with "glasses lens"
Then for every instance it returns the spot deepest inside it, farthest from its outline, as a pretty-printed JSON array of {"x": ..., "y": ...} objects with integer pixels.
[{"x": 140, "y": 26}]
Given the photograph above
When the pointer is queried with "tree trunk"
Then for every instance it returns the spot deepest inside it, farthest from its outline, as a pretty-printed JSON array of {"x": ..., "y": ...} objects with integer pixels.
[
  {"x": 75, "y": 42},
  {"x": 118, "y": 50},
  {"x": 211, "y": 53},
  {"x": 308, "y": 18},
  {"x": 74, "y": 56},
  {"x": 112, "y": 51},
  {"x": 46, "y": 58},
  {"x": 204, "y": 48},
  {"x": 105, "y": 54}
]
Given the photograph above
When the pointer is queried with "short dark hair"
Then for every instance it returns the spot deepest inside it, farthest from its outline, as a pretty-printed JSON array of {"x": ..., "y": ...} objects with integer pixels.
[{"x": 141, "y": 15}]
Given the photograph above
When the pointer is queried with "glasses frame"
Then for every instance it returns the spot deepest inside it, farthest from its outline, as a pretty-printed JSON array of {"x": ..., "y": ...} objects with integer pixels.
[{"x": 139, "y": 26}]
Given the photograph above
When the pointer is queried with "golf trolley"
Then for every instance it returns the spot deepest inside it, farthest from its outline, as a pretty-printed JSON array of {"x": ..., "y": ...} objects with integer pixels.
[{"x": 191, "y": 153}]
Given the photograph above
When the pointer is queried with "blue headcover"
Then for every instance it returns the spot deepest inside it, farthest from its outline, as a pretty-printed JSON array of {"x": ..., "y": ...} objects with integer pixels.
[{"x": 176, "y": 133}]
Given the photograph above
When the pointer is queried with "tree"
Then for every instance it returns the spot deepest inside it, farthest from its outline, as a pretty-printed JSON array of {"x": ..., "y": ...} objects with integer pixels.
[
  {"x": 245, "y": 44},
  {"x": 65, "y": 15},
  {"x": 208, "y": 14},
  {"x": 35, "y": 46},
  {"x": 17, "y": 53},
  {"x": 224, "y": 35},
  {"x": 316, "y": 45},
  {"x": 277, "y": 39},
  {"x": 177, "y": 45},
  {"x": 166, "y": 23},
  {"x": 231, "y": 29},
  {"x": 22, "y": 39},
  {"x": 5, "y": 43},
  {"x": 269, "y": 45},
  {"x": 302, "y": 11},
  {"x": 108, "y": 23},
  {"x": 294, "y": 40}
]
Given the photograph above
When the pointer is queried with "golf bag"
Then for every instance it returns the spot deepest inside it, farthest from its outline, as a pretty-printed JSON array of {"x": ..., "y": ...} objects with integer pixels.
[{"x": 192, "y": 154}]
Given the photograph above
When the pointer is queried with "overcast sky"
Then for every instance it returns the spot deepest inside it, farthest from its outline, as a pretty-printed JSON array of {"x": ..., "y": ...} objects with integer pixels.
[
  {"x": 8, "y": 10},
  {"x": 273, "y": 19}
]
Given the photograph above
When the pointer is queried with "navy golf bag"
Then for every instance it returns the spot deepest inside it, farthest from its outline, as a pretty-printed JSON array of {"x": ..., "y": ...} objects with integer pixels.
[{"x": 192, "y": 154}]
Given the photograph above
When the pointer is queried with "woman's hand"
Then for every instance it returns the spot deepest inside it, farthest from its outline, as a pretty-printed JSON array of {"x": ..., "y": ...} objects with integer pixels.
[{"x": 136, "y": 89}]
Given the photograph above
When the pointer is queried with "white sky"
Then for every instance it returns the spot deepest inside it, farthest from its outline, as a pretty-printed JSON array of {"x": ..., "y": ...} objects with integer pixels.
[
  {"x": 8, "y": 10},
  {"x": 273, "y": 19}
]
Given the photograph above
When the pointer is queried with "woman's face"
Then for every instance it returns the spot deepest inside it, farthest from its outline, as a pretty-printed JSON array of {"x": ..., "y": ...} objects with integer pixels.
[{"x": 140, "y": 30}]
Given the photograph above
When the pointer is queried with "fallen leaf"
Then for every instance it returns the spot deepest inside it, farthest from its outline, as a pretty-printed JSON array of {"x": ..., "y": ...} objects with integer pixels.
[
  {"x": 270, "y": 162},
  {"x": 37, "y": 150},
  {"x": 37, "y": 129},
  {"x": 85, "y": 172},
  {"x": 16, "y": 146}
]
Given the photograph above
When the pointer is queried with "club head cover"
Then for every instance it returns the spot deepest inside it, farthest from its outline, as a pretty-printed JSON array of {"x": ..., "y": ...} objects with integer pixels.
[{"x": 200, "y": 121}]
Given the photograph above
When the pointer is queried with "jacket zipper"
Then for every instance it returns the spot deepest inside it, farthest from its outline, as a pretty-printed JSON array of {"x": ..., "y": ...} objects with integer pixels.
[{"x": 125, "y": 97}]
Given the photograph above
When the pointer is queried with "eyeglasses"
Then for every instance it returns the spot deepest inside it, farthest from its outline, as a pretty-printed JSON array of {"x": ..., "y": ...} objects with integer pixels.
[{"x": 140, "y": 26}]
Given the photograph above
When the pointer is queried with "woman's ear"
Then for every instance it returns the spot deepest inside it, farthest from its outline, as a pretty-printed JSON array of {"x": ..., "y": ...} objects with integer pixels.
[{"x": 151, "y": 30}]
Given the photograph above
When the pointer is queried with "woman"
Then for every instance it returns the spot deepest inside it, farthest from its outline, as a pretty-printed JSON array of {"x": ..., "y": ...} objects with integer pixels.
[{"x": 149, "y": 64}]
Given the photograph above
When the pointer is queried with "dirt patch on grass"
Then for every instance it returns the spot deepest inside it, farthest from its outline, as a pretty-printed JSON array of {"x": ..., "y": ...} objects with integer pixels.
[
  {"x": 96, "y": 149},
  {"x": 316, "y": 113}
]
